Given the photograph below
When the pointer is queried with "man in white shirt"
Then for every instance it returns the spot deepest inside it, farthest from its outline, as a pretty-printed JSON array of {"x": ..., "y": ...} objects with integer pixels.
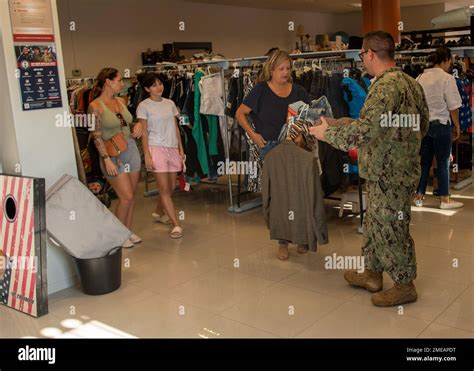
[{"x": 444, "y": 101}]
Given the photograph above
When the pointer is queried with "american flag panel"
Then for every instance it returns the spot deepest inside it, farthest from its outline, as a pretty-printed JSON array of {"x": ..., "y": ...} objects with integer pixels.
[{"x": 17, "y": 238}]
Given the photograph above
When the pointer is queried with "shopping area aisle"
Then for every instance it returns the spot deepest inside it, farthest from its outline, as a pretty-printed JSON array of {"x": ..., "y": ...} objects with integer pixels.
[{"x": 193, "y": 287}]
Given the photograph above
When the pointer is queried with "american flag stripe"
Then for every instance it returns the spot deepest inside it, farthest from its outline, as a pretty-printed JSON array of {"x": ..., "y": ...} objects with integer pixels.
[
  {"x": 28, "y": 274},
  {"x": 11, "y": 191},
  {"x": 15, "y": 235},
  {"x": 27, "y": 209},
  {"x": 23, "y": 210},
  {"x": 13, "y": 243},
  {"x": 3, "y": 220},
  {"x": 6, "y": 243}
]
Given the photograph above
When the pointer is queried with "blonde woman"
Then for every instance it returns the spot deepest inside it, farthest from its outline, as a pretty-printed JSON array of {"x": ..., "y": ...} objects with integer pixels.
[
  {"x": 267, "y": 107},
  {"x": 267, "y": 103}
]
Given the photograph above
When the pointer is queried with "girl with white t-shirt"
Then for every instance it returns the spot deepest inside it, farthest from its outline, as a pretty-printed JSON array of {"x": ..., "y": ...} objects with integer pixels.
[{"x": 165, "y": 155}]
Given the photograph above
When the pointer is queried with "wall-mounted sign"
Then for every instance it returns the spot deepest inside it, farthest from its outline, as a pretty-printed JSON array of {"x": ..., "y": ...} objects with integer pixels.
[{"x": 35, "y": 50}]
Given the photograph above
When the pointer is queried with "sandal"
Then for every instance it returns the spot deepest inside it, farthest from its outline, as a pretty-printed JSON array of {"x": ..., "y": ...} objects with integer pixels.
[
  {"x": 176, "y": 232},
  {"x": 163, "y": 219}
]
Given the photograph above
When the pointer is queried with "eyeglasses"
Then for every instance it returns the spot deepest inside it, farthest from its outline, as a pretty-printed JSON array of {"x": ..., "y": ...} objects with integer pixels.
[{"x": 366, "y": 51}]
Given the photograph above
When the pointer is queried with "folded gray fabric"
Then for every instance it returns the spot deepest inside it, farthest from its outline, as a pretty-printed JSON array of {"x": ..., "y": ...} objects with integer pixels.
[{"x": 79, "y": 222}]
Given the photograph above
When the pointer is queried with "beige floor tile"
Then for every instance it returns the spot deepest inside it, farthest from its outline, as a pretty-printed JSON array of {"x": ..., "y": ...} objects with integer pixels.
[
  {"x": 324, "y": 281},
  {"x": 222, "y": 250},
  {"x": 460, "y": 314},
  {"x": 443, "y": 264},
  {"x": 282, "y": 310},
  {"x": 218, "y": 289},
  {"x": 352, "y": 320},
  {"x": 85, "y": 327},
  {"x": 438, "y": 331},
  {"x": 265, "y": 263},
  {"x": 14, "y": 324},
  {"x": 164, "y": 271},
  {"x": 154, "y": 317},
  {"x": 434, "y": 297},
  {"x": 218, "y": 327},
  {"x": 451, "y": 238},
  {"x": 73, "y": 302}
]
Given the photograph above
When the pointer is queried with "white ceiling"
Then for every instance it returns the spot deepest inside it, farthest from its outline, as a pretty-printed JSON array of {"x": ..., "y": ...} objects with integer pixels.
[{"x": 319, "y": 6}]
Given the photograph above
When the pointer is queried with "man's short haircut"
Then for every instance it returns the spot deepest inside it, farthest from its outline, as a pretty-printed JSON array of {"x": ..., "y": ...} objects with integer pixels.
[{"x": 382, "y": 43}]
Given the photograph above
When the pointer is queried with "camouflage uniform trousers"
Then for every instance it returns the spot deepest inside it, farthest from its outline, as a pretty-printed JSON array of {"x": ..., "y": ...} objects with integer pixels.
[{"x": 387, "y": 244}]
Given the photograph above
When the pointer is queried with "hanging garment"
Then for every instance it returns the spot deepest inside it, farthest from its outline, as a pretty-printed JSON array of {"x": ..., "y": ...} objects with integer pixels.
[
  {"x": 329, "y": 85},
  {"x": 354, "y": 94},
  {"x": 235, "y": 96},
  {"x": 198, "y": 133},
  {"x": 465, "y": 111},
  {"x": 293, "y": 204},
  {"x": 212, "y": 95}
]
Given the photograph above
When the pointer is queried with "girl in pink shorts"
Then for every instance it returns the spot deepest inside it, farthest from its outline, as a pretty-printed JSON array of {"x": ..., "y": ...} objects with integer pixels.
[{"x": 165, "y": 155}]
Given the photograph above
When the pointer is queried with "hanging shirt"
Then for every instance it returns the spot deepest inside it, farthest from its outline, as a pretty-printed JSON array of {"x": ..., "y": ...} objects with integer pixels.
[
  {"x": 441, "y": 93},
  {"x": 161, "y": 123},
  {"x": 269, "y": 111},
  {"x": 465, "y": 112},
  {"x": 354, "y": 95},
  {"x": 212, "y": 96}
]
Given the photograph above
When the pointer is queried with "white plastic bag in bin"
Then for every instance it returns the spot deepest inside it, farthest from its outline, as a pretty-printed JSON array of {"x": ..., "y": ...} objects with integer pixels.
[{"x": 79, "y": 222}]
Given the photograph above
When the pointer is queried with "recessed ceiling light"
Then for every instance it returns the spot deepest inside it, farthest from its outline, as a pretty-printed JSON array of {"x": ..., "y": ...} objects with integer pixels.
[{"x": 355, "y": 5}]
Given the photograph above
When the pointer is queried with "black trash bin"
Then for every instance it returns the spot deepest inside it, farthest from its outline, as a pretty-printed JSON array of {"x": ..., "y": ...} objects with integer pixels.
[{"x": 102, "y": 275}]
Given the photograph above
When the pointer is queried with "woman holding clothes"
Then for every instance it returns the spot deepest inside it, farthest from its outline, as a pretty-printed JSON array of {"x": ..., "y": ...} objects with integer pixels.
[
  {"x": 267, "y": 107},
  {"x": 162, "y": 147},
  {"x": 444, "y": 100},
  {"x": 114, "y": 119}
]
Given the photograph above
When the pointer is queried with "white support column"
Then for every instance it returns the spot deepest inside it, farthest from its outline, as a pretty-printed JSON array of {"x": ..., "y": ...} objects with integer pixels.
[{"x": 30, "y": 142}]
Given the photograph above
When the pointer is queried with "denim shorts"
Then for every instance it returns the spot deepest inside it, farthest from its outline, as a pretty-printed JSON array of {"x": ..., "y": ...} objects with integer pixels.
[{"x": 128, "y": 161}]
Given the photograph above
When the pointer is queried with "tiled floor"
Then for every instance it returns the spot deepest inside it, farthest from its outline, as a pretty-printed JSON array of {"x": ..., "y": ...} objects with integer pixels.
[{"x": 222, "y": 280}]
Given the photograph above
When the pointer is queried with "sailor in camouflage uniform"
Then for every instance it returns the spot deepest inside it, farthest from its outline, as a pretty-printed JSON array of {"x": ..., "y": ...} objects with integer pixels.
[{"x": 389, "y": 161}]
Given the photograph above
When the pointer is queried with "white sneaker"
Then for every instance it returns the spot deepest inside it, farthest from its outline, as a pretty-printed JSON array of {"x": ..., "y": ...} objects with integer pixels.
[
  {"x": 164, "y": 219},
  {"x": 419, "y": 202},
  {"x": 128, "y": 244},
  {"x": 451, "y": 205},
  {"x": 135, "y": 239}
]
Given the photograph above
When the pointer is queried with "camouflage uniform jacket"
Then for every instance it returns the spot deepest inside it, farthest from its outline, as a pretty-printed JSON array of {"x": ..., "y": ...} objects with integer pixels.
[{"x": 388, "y": 133}]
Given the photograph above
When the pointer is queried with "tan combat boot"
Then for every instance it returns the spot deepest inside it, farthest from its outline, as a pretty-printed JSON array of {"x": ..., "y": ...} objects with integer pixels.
[
  {"x": 371, "y": 281},
  {"x": 397, "y": 295}
]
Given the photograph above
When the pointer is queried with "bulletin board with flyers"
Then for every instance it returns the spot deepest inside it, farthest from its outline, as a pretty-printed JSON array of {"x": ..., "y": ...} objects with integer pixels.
[{"x": 36, "y": 55}]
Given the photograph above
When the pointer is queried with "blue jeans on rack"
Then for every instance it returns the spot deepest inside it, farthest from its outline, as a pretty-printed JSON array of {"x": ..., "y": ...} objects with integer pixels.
[{"x": 437, "y": 143}]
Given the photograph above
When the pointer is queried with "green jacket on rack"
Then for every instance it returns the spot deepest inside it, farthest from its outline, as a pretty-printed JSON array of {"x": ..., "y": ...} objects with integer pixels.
[{"x": 198, "y": 132}]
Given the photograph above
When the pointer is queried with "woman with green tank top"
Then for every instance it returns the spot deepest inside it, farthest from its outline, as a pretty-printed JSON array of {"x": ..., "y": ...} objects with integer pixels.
[{"x": 122, "y": 171}]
